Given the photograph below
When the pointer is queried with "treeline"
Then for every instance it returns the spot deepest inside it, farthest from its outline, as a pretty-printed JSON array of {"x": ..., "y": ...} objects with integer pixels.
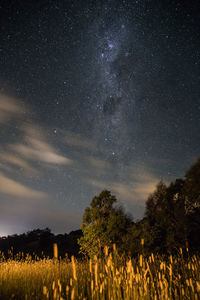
[
  {"x": 171, "y": 222},
  {"x": 39, "y": 242}
]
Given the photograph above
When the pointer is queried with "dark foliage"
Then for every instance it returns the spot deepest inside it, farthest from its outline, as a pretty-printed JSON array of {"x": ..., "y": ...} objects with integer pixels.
[
  {"x": 173, "y": 213},
  {"x": 40, "y": 242}
]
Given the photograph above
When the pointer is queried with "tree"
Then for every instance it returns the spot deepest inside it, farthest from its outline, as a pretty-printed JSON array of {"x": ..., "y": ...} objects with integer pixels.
[
  {"x": 192, "y": 187},
  {"x": 176, "y": 224},
  {"x": 192, "y": 204},
  {"x": 103, "y": 224},
  {"x": 166, "y": 216},
  {"x": 155, "y": 203},
  {"x": 173, "y": 212}
]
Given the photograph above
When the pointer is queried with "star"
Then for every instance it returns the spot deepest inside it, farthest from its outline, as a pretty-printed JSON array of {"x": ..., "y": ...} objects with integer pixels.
[{"x": 110, "y": 45}]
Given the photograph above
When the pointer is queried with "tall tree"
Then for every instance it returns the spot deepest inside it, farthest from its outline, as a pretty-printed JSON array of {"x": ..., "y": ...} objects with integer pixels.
[
  {"x": 192, "y": 187},
  {"x": 155, "y": 203},
  {"x": 176, "y": 221},
  {"x": 165, "y": 213},
  {"x": 192, "y": 204},
  {"x": 173, "y": 212},
  {"x": 103, "y": 224}
]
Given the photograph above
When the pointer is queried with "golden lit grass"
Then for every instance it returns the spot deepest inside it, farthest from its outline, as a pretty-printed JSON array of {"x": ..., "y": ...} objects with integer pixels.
[{"x": 108, "y": 278}]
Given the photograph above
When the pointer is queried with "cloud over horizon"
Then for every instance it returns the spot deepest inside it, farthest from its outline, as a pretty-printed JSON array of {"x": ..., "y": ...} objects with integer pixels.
[
  {"x": 136, "y": 187},
  {"x": 11, "y": 187}
]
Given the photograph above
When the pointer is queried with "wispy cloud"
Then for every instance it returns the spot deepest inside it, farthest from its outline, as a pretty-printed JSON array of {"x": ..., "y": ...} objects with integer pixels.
[
  {"x": 19, "y": 157},
  {"x": 13, "y": 160},
  {"x": 99, "y": 164},
  {"x": 8, "y": 108},
  {"x": 11, "y": 187},
  {"x": 76, "y": 140},
  {"x": 135, "y": 189},
  {"x": 40, "y": 151},
  {"x": 33, "y": 147}
]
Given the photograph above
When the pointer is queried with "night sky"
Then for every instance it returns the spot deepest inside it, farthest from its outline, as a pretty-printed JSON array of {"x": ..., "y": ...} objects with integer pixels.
[{"x": 94, "y": 95}]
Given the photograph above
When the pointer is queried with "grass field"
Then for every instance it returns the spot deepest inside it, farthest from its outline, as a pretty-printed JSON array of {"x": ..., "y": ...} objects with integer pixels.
[{"x": 154, "y": 277}]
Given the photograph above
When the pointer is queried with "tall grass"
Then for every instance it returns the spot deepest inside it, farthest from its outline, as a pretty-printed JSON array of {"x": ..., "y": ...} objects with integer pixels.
[{"x": 111, "y": 277}]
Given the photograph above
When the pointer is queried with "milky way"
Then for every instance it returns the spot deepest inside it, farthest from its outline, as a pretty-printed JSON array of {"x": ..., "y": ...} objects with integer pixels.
[
  {"x": 112, "y": 97},
  {"x": 93, "y": 96}
]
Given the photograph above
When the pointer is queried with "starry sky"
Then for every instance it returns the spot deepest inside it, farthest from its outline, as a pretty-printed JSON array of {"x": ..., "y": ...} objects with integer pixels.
[{"x": 94, "y": 95}]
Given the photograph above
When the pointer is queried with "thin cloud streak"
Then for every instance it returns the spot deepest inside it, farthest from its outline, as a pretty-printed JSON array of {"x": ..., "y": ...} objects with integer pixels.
[
  {"x": 13, "y": 188},
  {"x": 13, "y": 160},
  {"x": 135, "y": 191},
  {"x": 99, "y": 164},
  {"x": 36, "y": 147},
  {"x": 39, "y": 150},
  {"x": 75, "y": 140},
  {"x": 8, "y": 108}
]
